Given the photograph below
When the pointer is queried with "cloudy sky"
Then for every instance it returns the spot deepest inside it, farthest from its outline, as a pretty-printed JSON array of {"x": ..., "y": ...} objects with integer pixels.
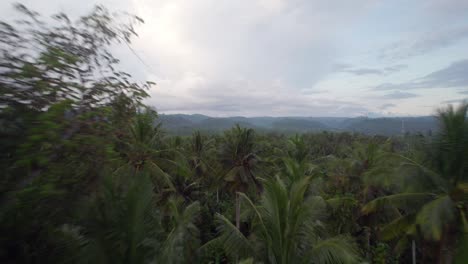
[{"x": 293, "y": 57}]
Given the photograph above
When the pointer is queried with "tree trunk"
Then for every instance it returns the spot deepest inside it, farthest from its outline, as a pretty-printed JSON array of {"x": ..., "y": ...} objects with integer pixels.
[
  {"x": 237, "y": 217},
  {"x": 367, "y": 237},
  {"x": 237, "y": 211},
  {"x": 413, "y": 246},
  {"x": 445, "y": 247}
]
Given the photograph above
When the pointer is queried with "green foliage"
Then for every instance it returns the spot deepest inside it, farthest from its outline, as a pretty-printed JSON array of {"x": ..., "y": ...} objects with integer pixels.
[
  {"x": 237, "y": 154},
  {"x": 182, "y": 241},
  {"x": 286, "y": 228},
  {"x": 382, "y": 254},
  {"x": 437, "y": 213},
  {"x": 45, "y": 64},
  {"x": 121, "y": 225}
]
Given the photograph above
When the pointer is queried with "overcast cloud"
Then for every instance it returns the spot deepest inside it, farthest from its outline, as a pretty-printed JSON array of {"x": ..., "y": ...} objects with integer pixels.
[
  {"x": 296, "y": 57},
  {"x": 399, "y": 95},
  {"x": 453, "y": 76}
]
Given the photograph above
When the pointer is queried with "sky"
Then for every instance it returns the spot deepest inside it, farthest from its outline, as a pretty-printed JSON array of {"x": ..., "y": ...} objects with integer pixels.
[{"x": 292, "y": 57}]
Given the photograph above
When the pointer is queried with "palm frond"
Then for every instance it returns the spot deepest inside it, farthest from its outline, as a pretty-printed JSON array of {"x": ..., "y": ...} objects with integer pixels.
[
  {"x": 398, "y": 227},
  {"x": 435, "y": 215},
  {"x": 234, "y": 243},
  {"x": 461, "y": 254},
  {"x": 407, "y": 201},
  {"x": 184, "y": 236},
  {"x": 338, "y": 249},
  {"x": 161, "y": 175},
  {"x": 402, "y": 244},
  {"x": 254, "y": 208},
  {"x": 247, "y": 261},
  {"x": 120, "y": 223}
]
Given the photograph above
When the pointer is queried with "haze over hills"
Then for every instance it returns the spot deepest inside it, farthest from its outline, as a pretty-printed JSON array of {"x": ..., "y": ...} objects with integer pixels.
[{"x": 184, "y": 124}]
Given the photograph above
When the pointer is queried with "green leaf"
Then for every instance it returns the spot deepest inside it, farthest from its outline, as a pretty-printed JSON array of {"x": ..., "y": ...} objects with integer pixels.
[
  {"x": 398, "y": 227},
  {"x": 234, "y": 243},
  {"x": 407, "y": 201},
  {"x": 333, "y": 250},
  {"x": 435, "y": 216}
]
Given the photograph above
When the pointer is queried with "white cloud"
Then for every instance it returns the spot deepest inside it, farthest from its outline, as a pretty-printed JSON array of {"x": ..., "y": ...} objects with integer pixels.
[
  {"x": 209, "y": 51},
  {"x": 266, "y": 57}
]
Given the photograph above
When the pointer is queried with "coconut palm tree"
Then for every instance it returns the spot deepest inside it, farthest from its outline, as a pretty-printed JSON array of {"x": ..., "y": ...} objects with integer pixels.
[
  {"x": 182, "y": 242},
  {"x": 142, "y": 148},
  {"x": 200, "y": 147},
  {"x": 433, "y": 201},
  {"x": 287, "y": 227},
  {"x": 300, "y": 150},
  {"x": 238, "y": 157},
  {"x": 121, "y": 225},
  {"x": 200, "y": 153}
]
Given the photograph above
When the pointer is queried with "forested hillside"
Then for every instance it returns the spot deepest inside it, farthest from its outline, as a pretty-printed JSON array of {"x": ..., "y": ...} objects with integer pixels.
[
  {"x": 181, "y": 124},
  {"x": 91, "y": 175}
]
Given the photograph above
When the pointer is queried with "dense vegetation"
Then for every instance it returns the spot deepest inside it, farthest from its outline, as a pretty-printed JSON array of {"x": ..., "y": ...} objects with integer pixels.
[{"x": 88, "y": 176}]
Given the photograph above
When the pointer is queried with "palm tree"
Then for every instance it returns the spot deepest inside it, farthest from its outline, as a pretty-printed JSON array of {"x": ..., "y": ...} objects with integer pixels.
[
  {"x": 200, "y": 153},
  {"x": 121, "y": 225},
  {"x": 143, "y": 139},
  {"x": 142, "y": 147},
  {"x": 182, "y": 242},
  {"x": 300, "y": 150},
  {"x": 434, "y": 203},
  {"x": 200, "y": 148},
  {"x": 237, "y": 155},
  {"x": 287, "y": 227}
]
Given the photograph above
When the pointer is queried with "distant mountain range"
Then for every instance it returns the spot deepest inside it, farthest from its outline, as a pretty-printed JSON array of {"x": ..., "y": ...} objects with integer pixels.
[{"x": 182, "y": 124}]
